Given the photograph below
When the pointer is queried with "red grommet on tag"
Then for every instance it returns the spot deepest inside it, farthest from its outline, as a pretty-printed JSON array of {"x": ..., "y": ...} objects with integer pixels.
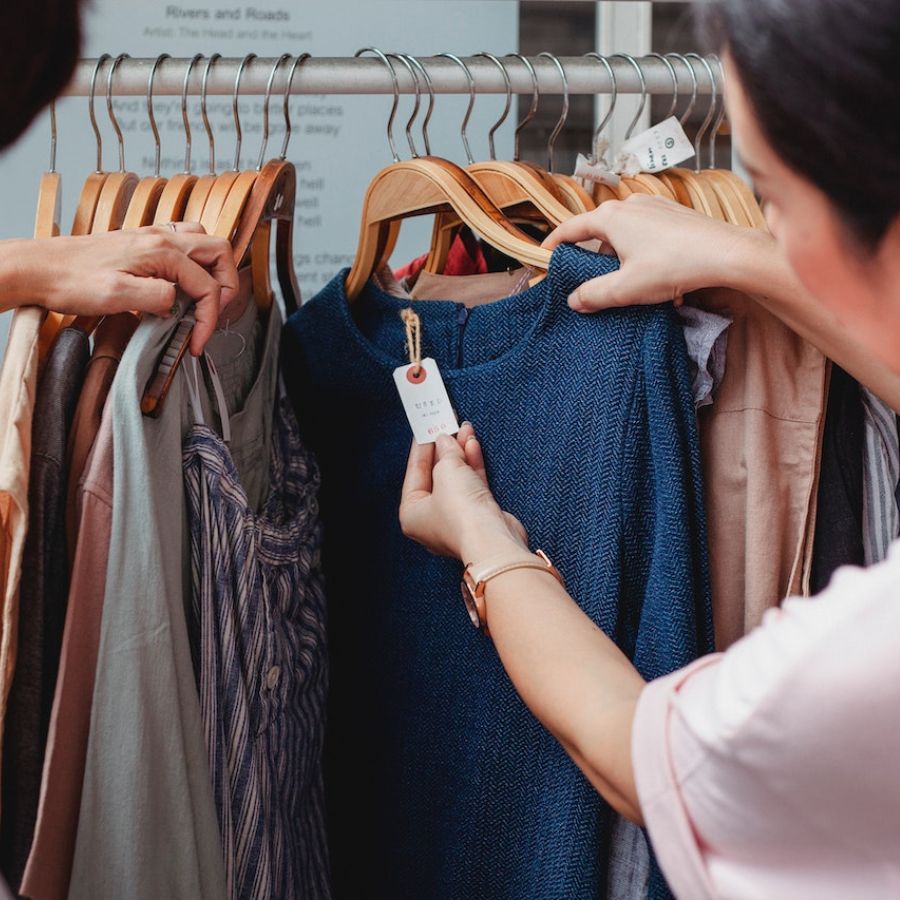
[{"x": 416, "y": 377}]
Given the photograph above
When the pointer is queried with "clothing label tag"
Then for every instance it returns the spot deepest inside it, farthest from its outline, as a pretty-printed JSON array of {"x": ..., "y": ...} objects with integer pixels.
[
  {"x": 425, "y": 400},
  {"x": 597, "y": 172},
  {"x": 660, "y": 147}
]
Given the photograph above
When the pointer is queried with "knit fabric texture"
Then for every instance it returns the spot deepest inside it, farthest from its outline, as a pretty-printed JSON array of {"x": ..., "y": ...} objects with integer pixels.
[{"x": 440, "y": 783}]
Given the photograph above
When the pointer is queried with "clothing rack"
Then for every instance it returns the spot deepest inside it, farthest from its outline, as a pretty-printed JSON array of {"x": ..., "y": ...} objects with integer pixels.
[{"x": 369, "y": 75}]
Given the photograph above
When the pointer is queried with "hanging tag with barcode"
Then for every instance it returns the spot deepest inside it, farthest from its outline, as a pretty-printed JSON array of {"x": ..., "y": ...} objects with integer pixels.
[
  {"x": 425, "y": 400},
  {"x": 660, "y": 147}
]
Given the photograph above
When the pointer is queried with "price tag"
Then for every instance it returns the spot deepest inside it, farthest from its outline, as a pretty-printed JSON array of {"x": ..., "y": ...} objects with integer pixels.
[
  {"x": 425, "y": 400},
  {"x": 660, "y": 147},
  {"x": 596, "y": 172}
]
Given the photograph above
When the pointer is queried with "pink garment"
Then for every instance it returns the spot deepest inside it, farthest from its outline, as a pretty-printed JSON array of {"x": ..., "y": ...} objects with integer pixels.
[
  {"x": 50, "y": 861},
  {"x": 771, "y": 770}
]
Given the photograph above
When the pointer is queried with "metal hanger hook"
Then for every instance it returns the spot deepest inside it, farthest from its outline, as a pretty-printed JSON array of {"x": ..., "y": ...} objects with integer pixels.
[
  {"x": 400, "y": 57},
  {"x": 396, "y": 103},
  {"x": 671, "y": 110},
  {"x": 614, "y": 96},
  {"x": 504, "y": 115},
  {"x": 52, "y": 136},
  {"x": 239, "y": 137},
  {"x": 203, "y": 113},
  {"x": 564, "y": 115},
  {"x": 721, "y": 116},
  {"x": 91, "y": 112},
  {"x": 184, "y": 112},
  {"x": 468, "y": 115},
  {"x": 269, "y": 83},
  {"x": 701, "y": 131},
  {"x": 109, "y": 108},
  {"x": 287, "y": 107},
  {"x": 430, "y": 85},
  {"x": 150, "y": 115},
  {"x": 535, "y": 100},
  {"x": 643, "y": 82},
  {"x": 682, "y": 119}
]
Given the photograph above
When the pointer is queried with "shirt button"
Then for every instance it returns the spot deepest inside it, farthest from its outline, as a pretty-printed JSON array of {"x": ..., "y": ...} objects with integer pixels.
[{"x": 273, "y": 676}]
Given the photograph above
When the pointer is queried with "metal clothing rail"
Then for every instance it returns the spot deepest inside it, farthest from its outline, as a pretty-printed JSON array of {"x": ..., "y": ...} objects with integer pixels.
[{"x": 368, "y": 75}]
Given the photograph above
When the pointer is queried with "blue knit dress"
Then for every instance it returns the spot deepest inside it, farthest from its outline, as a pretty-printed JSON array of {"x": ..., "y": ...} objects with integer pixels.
[{"x": 440, "y": 783}]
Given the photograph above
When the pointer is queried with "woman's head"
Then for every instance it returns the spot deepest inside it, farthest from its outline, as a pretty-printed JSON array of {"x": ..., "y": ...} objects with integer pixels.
[
  {"x": 812, "y": 92},
  {"x": 39, "y": 46}
]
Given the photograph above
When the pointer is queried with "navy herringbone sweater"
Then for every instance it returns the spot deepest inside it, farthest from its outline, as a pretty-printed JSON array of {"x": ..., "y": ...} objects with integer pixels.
[{"x": 441, "y": 784}]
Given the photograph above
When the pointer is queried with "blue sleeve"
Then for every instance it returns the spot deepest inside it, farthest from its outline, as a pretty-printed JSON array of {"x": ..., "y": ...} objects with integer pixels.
[{"x": 666, "y": 613}]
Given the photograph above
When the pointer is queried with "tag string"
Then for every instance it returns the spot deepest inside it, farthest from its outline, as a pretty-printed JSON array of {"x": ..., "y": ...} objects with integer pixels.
[{"x": 413, "y": 337}]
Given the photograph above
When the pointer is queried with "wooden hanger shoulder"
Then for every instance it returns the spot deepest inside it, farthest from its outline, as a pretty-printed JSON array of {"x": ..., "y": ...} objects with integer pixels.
[
  {"x": 574, "y": 195},
  {"x": 87, "y": 202},
  {"x": 174, "y": 198},
  {"x": 46, "y": 219},
  {"x": 193, "y": 211},
  {"x": 143, "y": 203},
  {"x": 215, "y": 202},
  {"x": 113, "y": 202}
]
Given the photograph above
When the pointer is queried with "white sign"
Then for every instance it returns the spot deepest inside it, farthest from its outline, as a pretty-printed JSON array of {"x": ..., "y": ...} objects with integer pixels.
[{"x": 339, "y": 142}]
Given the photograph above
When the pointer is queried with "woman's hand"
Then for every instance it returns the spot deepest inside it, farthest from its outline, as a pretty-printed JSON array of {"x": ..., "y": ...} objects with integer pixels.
[
  {"x": 447, "y": 505},
  {"x": 666, "y": 250},
  {"x": 137, "y": 269}
]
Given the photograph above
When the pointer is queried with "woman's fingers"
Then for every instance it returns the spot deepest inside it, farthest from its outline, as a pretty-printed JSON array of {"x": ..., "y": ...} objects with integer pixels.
[
  {"x": 584, "y": 227},
  {"x": 418, "y": 480},
  {"x": 475, "y": 457}
]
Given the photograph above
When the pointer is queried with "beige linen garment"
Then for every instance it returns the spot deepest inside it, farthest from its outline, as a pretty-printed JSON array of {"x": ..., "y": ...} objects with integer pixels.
[
  {"x": 760, "y": 444},
  {"x": 18, "y": 387}
]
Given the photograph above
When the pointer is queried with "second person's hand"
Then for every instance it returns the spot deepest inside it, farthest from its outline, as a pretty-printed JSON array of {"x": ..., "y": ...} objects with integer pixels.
[
  {"x": 665, "y": 251},
  {"x": 138, "y": 269}
]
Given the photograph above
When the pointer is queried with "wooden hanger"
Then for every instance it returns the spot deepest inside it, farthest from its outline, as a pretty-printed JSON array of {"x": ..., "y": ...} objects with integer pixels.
[
  {"x": 514, "y": 189},
  {"x": 204, "y": 184},
  {"x": 118, "y": 186},
  {"x": 174, "y": 198},
  {"x": 142, "y": 208},
  {"x": 420, "y": 186},
  {"x": 272, "y": 200},
  {"x": 93, "y": 184}
]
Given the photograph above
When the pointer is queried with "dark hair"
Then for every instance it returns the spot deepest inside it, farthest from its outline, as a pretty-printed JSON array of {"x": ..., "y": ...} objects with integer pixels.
[
  {"x": 823, "y": 79},
  {"x": 39, "y": 45}
]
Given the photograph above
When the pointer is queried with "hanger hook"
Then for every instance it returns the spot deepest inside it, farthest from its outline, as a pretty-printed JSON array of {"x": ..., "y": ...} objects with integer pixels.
[
  {"x": 671, "y": 111},
  {"x": 206, "y": 125},
  {"x": 721, "y": 116},
  {"x": 682, "y": 119},
  {"x": 564, "y": 115},
  {"x": 400, "y": 57},
  {"x": 430, "y": 85},
  {"x": 701, "y": 131},
  {"x": 269, "y": 83},
  {"x": 535, "y": 100},
  {"x": 396, "y": 103},
  {"x": 614, "y": 96},
  {"x": 184, "y": 112},
  {"x": 92, "y": 114},
  {"x": 239, "y": 136},
  {"x": 643, "y": 103},
  {"x": 468, "y": 115},
  {"x": 150, "y": 114},
  {"x": 287, "y": 110},
  {"x": 52, "y": 136},
  {"x": 508, "y": 105},
  {"x": 109, "y": 108}
]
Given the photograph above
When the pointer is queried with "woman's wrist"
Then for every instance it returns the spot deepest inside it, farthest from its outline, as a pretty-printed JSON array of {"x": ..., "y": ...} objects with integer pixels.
[
  {"x": 484, "y": 543},
  {"x": 13, "y": 269}
]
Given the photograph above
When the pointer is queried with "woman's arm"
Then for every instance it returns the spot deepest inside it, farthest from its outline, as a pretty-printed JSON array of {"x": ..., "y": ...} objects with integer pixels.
[
  {"x": 574, "y": 679},
  {"x": 667, "y": 251},
  {"x": 139, "y": 270}
]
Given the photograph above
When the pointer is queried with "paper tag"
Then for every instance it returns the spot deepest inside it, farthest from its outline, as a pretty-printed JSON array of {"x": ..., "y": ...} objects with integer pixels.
[
  {"x": 425, "y": 400},
  {"x": 597, "y": 172},
  {"x": 660, "y": 147}
]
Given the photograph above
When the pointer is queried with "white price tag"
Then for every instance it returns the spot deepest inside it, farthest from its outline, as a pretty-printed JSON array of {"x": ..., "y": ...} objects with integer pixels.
[
  {"x": 597, "y": 172},
  {"x": 660, "y": 147},
  {"x": 425, "y": 400}
]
